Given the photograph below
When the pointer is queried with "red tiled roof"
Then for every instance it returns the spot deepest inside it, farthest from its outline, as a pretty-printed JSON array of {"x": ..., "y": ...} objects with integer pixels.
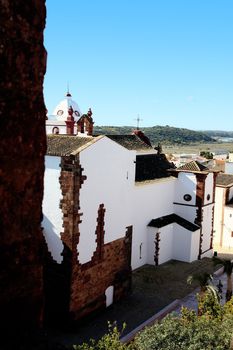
[
  {"x": 193, "y": 166},
  {"x": 224, "y": 180}
]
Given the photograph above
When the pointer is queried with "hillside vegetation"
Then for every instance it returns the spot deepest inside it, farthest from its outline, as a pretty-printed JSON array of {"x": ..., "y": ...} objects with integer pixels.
[
  {"x": 167, "y": 135},
  {"x": 219, "y": 133}
]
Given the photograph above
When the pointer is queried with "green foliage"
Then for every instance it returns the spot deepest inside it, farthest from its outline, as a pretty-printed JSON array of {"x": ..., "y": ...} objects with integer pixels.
[
  {"x": 227, "y": 269},
  {"x": 211, "y": 331},
  {"x": 209, "y": 304},
  {"x": 206, "y": 154},
  {"x": 158, "y": 134},
  {"x": 110, "y": 341},
  {"x": 203, "y": 279},
  {"x": 228, "y": 307},
  {"x": 188, "y": 331},
  {"x": 226, "y": 263},
  {"x": 188, "y": 315}
]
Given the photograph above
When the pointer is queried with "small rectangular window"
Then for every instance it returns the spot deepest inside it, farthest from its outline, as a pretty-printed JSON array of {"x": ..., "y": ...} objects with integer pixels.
[{"x": 140, "y": 251}]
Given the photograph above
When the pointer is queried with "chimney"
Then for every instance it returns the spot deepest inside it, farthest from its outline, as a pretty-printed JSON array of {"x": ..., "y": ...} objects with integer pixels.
[
  {"x": 70, "y": 122},
  {"x": 90, "y": 123},
  {"x": 142, "y": 136}
]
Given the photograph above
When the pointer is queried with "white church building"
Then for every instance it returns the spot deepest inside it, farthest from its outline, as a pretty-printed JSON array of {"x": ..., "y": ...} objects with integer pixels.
[{"x": 113, "y": 203}]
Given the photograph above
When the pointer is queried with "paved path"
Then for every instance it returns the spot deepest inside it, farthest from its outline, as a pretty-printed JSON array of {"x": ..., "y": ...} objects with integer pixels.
[
  {"x": 147, "y": 302},
  {"x": 190, "y": 301}
]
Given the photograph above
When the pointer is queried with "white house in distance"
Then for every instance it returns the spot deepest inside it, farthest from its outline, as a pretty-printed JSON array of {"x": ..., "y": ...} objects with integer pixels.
[
  {"x": 223, "y": 218},
  {"x": 229, "y": 164},
  {"x": 114, "y": 203}
]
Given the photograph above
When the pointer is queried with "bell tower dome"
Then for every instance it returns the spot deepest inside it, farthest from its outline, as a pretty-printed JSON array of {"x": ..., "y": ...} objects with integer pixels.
[
  {"x": 67, "y": 119},
  {"x": 61, "y": 111}
]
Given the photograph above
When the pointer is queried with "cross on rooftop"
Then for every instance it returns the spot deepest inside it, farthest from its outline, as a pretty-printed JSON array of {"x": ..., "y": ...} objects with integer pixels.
[{"x": 138, "y": 120}]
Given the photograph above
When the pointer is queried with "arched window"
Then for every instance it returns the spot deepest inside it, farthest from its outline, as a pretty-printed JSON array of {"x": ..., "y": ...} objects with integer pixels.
[
  {"x": 55, "y": 130},
  {"x": 109, "y": 295}
]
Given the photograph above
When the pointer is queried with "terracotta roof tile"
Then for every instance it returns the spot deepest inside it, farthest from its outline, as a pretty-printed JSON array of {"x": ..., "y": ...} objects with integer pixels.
[
  {"x": 193, "y": 166},
  {"x": 63, "y": 145},
  {"x": 131, "y": 142},
  {"x": 224, "y": 180}
]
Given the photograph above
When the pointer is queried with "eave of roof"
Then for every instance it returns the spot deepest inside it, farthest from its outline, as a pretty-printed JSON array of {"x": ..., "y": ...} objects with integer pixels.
[
  {"x": 173, "y": 218},
  {"x": 52, "y": 122},
  {"x": 130, "y": 142},
  {"x": 193, "y": 166},
  {"x": 224, "y": 180},
  {"x": 65, "y": 145}
]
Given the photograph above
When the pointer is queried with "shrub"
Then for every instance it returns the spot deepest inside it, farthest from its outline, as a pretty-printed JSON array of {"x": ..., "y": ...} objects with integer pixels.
[{"x": 110, "y": 341}]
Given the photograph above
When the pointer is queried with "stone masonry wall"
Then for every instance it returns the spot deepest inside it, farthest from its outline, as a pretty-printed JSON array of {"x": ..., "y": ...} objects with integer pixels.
[
  {"x": 110, "y": 263},
  {"x": 90, "y": 280},
  {"x": 199, "y": 203},
  {"x": 22, "y": 149}
]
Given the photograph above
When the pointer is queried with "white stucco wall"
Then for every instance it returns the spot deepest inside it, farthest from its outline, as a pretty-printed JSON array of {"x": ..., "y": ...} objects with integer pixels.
[
  {"x": 229, "y": 167},
  {"x": 195, "y": 240},
  {"x": 223, "y": 218},
  {"x": 207, "y": 227},
  {"x": 62, "y": 129},
  {"x": 230, "y": 157},
  {"x": 52, "y": 215},
  {"x": 185, "y": 211},
  {"x": 110, "y": 178},
  {"x": 209, "y": 182},
  {"x": 151, "y": 200},
  {"x": 230, "y": 194},
  {"x": 151, "y": 244},
  {"x": 181, "y": 243},
  {"x": 166, "y": 244},
  {"x": 110, "y": 171},
  {"x": 228, "y": 227},
  {"x": 176, "y": 242},
  {"x": 186, "y": 185},
  {"x": 218, "y": 213}
]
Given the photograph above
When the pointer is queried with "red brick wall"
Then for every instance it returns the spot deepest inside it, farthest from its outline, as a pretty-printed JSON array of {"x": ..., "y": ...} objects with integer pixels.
[
  {"x": 200, "y": 191},
  {"x": 71, "y": 180},
  {"x": 22, "y": 149},
  {"x": 90, "y": 280},
  {"x": 214, "y": 189},
  {"x": 85, "y": 124},
  {"x": 110, "y": 264},
  {"x": 199, "y": 203}
]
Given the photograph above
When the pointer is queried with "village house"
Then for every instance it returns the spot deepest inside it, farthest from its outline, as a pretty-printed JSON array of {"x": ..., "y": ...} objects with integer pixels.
[
  {"x": 229, "y": 164},
  {"x": 223, "y": 217},
  {"x": 112, "y": 204}
]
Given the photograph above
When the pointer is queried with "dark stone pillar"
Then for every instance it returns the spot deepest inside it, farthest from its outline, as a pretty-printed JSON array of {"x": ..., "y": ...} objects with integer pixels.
[{"x": 22, "y": 149}]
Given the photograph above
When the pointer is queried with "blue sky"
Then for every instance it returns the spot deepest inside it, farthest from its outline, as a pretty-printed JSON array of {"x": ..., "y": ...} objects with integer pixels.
[{"x": 168, "y": 61}]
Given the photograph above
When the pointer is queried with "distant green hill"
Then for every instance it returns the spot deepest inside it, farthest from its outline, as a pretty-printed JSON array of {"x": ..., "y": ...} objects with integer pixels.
[{"x": 166, "y": 135}]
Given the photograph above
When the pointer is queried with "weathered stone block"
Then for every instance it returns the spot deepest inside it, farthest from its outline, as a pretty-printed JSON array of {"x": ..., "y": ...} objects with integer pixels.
[{"x": 22, "y": 149}]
